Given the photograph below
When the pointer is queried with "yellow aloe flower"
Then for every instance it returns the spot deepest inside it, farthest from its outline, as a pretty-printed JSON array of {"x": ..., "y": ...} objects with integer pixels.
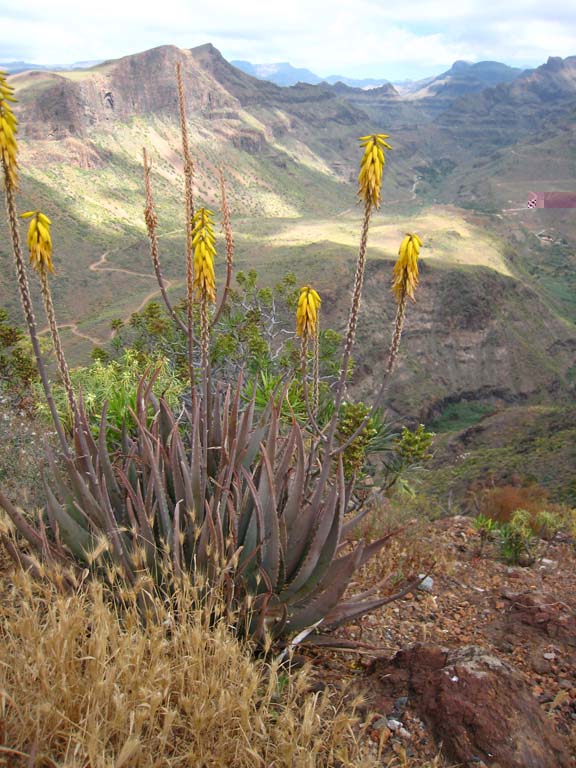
[
  {"x": 203, "y": 240},
  {"x": 406, "y": 268},
  {"x": 8, "y": 128},
  {"x": 307, "y": 312},
  {"x": 370, "y": 178},
  {"x": 39, "y": 241}
]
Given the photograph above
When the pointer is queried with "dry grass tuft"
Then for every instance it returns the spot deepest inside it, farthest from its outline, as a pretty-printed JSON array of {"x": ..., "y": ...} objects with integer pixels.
[{"x": 84, "y": 686}]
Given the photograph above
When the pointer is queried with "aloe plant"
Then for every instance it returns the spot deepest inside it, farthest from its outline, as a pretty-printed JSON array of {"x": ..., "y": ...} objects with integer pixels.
[
  {"x": 266, "y": 529},
  {"x": 251, "y": 504}
]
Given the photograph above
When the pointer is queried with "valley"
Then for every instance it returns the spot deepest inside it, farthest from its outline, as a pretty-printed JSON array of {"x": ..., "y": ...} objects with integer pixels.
[{"x": 493, "y": 329}]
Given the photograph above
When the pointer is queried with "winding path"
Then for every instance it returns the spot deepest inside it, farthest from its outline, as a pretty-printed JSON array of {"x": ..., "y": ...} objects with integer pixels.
[{"x": 100, "y": 265}]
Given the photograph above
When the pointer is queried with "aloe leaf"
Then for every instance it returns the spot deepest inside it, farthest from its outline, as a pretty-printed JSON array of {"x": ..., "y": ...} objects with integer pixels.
[
  {"x": 30, "y": 534},
  {"x": 327, "y": 595},
  {"x": 271, "y": 529},
  {"x": 358, "y": 606},
  {"x": 295, "y": 492},
  {"x": 252, "y": 540},
  {"x": 76, "y": 538},
  {"x": 105, "y": 462}
]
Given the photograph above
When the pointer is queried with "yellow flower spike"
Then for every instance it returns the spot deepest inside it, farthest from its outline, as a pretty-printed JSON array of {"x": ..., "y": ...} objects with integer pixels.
[
  {"x": 371, "y": 167},
  {"x": 203, "y": 241},
  {"x": 406, "y": 268},
  {"x": 39, "y": 241},
  {"x": 8, "y": 128},
  {"x": 307, "y": 312}
]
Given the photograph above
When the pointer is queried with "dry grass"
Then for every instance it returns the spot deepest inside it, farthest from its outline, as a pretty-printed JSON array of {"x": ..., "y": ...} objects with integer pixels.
[{"x": 83, "y": 686}]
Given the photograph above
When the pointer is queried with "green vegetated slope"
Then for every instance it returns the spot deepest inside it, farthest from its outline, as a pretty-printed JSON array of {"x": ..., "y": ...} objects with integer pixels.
[{"x": 494, "y": 320}]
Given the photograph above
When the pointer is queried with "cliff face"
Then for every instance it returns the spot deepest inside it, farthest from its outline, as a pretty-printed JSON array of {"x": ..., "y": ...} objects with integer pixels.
[
  {"x": 540, "y": 99},
  {"x": 473, "y": 335}
]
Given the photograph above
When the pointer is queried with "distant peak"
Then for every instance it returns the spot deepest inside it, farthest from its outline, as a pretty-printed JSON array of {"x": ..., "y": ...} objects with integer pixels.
[{"x": 207, "y": 48}]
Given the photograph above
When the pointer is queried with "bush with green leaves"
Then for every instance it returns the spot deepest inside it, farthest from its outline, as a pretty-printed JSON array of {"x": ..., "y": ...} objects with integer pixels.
[
  {"x": 114, "y": 384},
  {"x": 487, "y": 529},
  {"x": 18, "y": 370},
  {"x": 517, "y": 542}
]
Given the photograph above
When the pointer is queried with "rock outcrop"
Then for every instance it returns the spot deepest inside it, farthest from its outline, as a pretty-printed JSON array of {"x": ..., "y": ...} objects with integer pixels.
[{"x": 477, "y": 706}]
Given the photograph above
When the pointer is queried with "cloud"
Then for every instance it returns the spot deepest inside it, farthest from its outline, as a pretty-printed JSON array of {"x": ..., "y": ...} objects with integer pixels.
[{"x": 369, "y": 37}]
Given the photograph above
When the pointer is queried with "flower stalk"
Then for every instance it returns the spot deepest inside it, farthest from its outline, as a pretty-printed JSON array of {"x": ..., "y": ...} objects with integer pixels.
[
  {"x": 151, "y": 220},
  {"x": 8, "y": 162},
  {"x": 189, "y": 212},
  {"x": 40, "y": 248}
]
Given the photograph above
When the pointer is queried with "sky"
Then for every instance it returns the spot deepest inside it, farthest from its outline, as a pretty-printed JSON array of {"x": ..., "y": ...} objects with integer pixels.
[{"x": 356, "y": 38}]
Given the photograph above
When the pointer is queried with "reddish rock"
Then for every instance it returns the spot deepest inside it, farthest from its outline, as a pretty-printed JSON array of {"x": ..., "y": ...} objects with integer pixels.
[
  {"x": 551, "y": 617},
  {"x": 478, "y": 707}
]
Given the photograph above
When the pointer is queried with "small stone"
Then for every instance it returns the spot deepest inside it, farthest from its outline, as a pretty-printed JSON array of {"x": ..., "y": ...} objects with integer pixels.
[
  {"x": 427, "y": 585},
  {"x": 404, "y": 734},
  {"x": 549, "y": 656},
  {"x": 400, "y": 704},
  {"x": 394, "y": 725}
]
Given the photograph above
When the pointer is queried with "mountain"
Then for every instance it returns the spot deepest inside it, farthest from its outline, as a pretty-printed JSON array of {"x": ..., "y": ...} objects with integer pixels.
[
  {"x": 14, "y": 67},
  {"x": 22, "y": 66},
  {"x": 284, "y": 74},
  {"x": 462, "y": 78},
  {"x": 364, "y": 82},
  {"x": 494, "y": 322},
  {"x": 281, "y": 73}
]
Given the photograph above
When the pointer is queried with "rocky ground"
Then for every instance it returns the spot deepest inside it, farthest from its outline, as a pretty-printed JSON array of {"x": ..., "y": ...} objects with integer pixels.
[
  {"x": 475, "y": 668},
  {"x": 483, "y": 664}
]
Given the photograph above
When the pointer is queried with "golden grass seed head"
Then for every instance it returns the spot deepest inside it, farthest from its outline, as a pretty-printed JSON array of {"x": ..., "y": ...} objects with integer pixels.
[{"x": 307, "y": 312}]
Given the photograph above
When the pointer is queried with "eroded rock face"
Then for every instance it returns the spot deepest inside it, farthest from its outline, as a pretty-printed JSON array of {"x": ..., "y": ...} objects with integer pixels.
[{"x": 479, "y": 707}]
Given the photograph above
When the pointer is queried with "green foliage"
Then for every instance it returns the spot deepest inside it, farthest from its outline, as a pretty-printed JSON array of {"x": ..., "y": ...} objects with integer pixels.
[
  {"x": 517, "y": 541},
  {"x": 18, "y": 370},
  {"x": 411, "y": 451},
  {"x": 354, "y": 456},
  {"x": 548, "y": 524},
  {"x": 115, "y": 384},
  {"x": 457, "y": 416},
  {"x": 487, "y": 528}
]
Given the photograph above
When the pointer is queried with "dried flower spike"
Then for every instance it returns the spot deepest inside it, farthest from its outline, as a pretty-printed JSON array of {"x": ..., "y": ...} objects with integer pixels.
[
  {"x": 39, "y": 241},
  {"x": 307, "y": 312},
  {"x": 203, "y": 240},
  {"x": 406, "y": 268},
  {"x": 372, "y": 166},
  {"x": 8, "y": 128}
]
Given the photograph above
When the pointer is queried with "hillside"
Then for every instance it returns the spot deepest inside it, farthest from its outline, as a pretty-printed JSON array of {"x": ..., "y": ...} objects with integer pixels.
[{"x": 494, "y": 321}]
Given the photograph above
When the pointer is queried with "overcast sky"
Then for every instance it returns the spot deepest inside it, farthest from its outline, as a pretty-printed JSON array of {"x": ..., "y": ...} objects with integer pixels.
[{"x": 371, "y": 38}]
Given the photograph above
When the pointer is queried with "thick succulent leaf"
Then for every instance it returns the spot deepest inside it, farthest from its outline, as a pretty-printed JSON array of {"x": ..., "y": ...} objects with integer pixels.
[
  {"x": 271, "y": 529},
  {"x": 352, "y": 609},
  {"x": 76, "y": 538},
  {"x": 196, "y": 468},
  {"x": 375, "y": 546},
  {"x": 326, "y": 520},
  {"x": 326, "y": 596},
  {"x": 252, "y": 540},
  {"x": 105, "y": 463},
  {"x": 284, "y": 463},
  {"x": 292, "y": 508},
  {"x": 29, "y": 532}
]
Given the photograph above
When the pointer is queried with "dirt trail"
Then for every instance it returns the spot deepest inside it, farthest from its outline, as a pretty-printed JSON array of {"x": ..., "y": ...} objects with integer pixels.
[{"x": 100, "y": 265}]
